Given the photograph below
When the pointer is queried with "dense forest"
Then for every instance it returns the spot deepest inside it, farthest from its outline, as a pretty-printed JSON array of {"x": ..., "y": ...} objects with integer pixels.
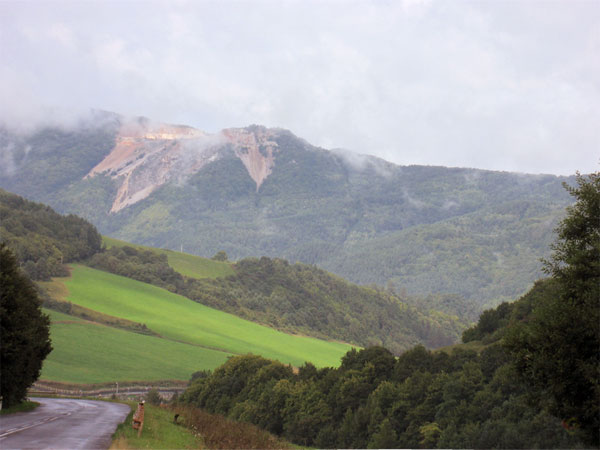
[
  {"x": 526, "y": 377},
  {"x": 420, "y": 400}
]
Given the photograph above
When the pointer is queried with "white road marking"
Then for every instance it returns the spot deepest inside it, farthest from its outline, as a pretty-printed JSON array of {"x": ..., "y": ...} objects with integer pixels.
[{"x": 35, "y": 424}]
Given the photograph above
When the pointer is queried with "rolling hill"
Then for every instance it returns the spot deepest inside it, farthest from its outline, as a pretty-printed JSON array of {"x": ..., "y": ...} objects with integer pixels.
[
  {"x": 178, "y": 319},
  {"x": 178, "y": 336},
  {"x": 98, "y": 315},
  {"x": 293, "y": 298},
  {"x": 181, "y": 336}
]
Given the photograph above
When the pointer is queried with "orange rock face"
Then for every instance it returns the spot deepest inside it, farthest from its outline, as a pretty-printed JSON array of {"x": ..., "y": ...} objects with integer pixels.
[
  {"x": 146, "y": 156},
  {"x": 255, "y": 149}
]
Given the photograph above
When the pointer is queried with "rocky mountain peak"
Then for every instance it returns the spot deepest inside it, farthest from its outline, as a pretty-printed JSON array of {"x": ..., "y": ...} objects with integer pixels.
[{"x": 147, "y": 155}]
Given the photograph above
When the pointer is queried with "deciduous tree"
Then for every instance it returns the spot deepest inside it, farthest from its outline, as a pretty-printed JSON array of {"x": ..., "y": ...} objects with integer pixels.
[{"x": 558, "y": 351}]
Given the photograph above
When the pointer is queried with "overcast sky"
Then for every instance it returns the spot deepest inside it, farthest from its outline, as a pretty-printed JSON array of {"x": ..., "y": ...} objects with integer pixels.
[{"x": 503, "y": 85}]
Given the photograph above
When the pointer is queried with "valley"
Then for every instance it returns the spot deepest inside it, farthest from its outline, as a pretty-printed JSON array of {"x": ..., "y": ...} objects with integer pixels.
[{"x": 314, "y": 359}]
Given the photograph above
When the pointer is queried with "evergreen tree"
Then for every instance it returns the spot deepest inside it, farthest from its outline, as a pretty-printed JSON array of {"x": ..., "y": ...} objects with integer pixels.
[{"x": 24, "y": 331}]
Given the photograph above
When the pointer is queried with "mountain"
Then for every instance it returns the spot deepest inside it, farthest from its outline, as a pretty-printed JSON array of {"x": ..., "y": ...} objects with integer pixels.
[{"x": 256, "y": 191}]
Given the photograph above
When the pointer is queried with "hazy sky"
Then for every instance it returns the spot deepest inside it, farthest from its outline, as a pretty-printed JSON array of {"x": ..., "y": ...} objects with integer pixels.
[{"x": 503, "y": 85}]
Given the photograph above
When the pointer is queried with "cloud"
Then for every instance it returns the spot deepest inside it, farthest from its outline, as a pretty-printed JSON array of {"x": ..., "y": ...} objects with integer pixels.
[
  {"x": 449, "y": 204},
  {"x": 7, "y": 159},
  {"x": 494, "y": 85},
  {"x": 62, "y": 34},
  {"x": 413, "y": 201},
  {"x": 359, "y": 162}
]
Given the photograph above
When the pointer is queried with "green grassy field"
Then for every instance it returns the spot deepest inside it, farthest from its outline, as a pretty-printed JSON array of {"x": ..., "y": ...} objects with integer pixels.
[
  {"x": 188, "y": 265},
  {"x": 180, "y": 319},
  {"x": 86, "y": 352}
]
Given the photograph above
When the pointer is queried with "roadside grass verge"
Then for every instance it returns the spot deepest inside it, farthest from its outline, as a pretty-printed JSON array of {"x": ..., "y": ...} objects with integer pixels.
[
  {"x": 184, "y": 263},
  {"x": 195, "y": 429},
  {"x": 87, "y": 352},
  {"x": 179, "y": 319},
  {"x": 159, "y": 431},
  {"x": 218, "y": 432},
  {"x": 21, "y": 407}
]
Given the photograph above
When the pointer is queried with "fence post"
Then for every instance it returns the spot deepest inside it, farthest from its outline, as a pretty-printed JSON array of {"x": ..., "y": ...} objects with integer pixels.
[{"x": 138, "y": 418}]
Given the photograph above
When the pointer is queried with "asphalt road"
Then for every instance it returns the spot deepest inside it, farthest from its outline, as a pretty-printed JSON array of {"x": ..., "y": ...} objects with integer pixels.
[{"x": 61, "y": 423}]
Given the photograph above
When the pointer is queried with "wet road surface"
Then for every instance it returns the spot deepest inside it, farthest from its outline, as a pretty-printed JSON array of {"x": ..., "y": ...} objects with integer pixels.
[{"x": 61, "y": 423}]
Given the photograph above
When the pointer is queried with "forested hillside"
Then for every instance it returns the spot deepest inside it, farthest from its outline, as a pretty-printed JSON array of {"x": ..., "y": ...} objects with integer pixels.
[
  {"x": 42, "y": 239},
  {"x": 308, "y": 299},
  {"x": 44, "y": 164},
  {"x": 420, "y": 230},
  {"x": 487, "y": 256}
]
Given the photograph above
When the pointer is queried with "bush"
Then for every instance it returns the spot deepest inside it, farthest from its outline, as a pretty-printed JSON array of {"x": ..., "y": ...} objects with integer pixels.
[{"x": 153, "y": 397}]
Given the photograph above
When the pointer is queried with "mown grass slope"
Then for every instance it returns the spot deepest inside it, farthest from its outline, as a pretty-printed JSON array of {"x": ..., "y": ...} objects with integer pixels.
[
  {"x": 177, "y": 318},
  {"x": 87, "y": 352},
  {"x": 188, "y": 265}
]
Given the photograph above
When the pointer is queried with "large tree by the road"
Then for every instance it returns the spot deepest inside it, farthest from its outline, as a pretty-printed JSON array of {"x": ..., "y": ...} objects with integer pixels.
[
  {"x": 24, "y": 331},
  {"x": 558, "y": 351}
]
